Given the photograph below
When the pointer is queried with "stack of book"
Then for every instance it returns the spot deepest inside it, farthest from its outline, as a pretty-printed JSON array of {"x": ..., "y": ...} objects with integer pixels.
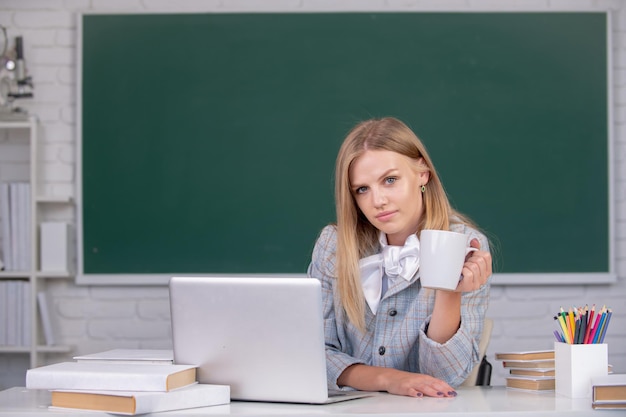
[
  {"x": 609, "y": 392},
  {"x": 530, "y": 370},
  {"x": 125, "y": 384}
]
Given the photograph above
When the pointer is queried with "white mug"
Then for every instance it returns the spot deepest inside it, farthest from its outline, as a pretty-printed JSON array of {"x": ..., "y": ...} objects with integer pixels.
[{"x": 442, "y": 255}]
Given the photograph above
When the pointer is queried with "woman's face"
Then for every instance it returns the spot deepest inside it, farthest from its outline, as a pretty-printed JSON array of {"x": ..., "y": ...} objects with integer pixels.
[{"x": 387, "y": 190}]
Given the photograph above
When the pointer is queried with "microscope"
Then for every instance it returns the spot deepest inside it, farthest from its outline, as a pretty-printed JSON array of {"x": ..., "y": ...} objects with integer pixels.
[{"x": 15, "y": 84}]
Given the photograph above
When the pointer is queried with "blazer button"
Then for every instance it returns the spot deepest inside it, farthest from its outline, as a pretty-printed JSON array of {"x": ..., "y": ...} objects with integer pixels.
[
  {"x": 393, "y": 312},
  {"x": 381, "y": 350}
]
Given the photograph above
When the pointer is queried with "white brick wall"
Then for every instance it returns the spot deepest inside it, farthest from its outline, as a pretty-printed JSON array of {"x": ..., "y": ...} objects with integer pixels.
[{"x": 98, "y": 318}]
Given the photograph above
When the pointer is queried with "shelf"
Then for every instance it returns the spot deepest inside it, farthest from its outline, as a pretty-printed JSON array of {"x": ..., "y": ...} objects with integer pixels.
[
  {"x": 54, "y": 349},
  {"x": 37, "y": 274},
  {"x": 54, "y": 199},
  {"x": 14, "y": 349},
  {"x": 53, "y": 274},
  {"x": 40, "y": 203},
  {"x": 14, "y": 274},
  {"x": 39, "y": 348},
  {"x": 15, "y": 124}
]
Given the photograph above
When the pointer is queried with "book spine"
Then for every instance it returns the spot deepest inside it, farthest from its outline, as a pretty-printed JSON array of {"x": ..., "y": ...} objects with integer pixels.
[
  {"x": 25, "y": 307},
  {"x": 15, "y": 232},
  {"x": 3, "y": 313},
  {"x": 5, "y": 214},
  {"x": 12, "y": 307}
]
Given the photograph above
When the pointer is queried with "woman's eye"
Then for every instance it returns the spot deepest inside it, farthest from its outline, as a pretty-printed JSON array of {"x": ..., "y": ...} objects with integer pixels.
[
  {"x": 360, "y": 190},
  {"x": 390, "y": 180}
]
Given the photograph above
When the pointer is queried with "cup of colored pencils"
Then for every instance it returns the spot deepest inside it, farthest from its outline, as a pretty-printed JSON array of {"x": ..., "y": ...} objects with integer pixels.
[{"x": 582, "y": 325}]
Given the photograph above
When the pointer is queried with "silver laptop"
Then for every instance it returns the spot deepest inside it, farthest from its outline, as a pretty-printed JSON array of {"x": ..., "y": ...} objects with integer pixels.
[{"x": 262, "y": 336}]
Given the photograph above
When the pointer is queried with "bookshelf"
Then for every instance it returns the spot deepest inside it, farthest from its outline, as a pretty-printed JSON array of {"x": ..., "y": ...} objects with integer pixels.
[{"x": 27, "y": 273}]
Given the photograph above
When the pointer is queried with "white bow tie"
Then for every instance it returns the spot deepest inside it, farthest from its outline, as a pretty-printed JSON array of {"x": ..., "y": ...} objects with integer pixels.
[{"x": 395, "y": 261}]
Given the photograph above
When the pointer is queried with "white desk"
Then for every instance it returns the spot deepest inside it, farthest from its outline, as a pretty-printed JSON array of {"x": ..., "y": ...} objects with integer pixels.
[{"x": 471, "y": 401}]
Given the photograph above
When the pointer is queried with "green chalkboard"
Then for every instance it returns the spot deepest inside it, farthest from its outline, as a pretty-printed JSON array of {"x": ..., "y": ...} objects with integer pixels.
[{"x": 208, "y": 140}]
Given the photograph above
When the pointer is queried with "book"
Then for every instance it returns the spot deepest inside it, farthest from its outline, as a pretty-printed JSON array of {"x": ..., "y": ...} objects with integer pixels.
[
  {"x": 136, "y": 402},
  {"x": 5, "y": 213},
  {"x": 536, "y": 364},
  {"x": 25, "y": 316},
  {"x": 25, "y": 201},
  {"x": 528, "y": 355},
  {"x": 532, "y": 371},
  {"x": 12, "y": 312},
  {"x": 130, "y": 356},
  {"x": 19, "y": 312},
  {"x": 3, "y": 312},
  {"x": 110, "y": 376},
  {"x": 14, "y": 227},
  {"x": 54, "y": 242},
  {"x": 609, "y": 406},
  {"x": 531, "y": 383},
  {"x": 44, "y": 314},
  {"x": 609, "y": 389}
]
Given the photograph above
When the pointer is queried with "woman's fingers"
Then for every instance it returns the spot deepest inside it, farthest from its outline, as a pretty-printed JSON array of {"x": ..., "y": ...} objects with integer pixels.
[{"x": 476, "y": 270}]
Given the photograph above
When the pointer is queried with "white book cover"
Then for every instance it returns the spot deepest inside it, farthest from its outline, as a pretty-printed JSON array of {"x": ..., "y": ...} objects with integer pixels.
[
  {"x": 609, "y": 380},
  {"x": 46, "y": 321},
  {"x": 135, "y": 402},
  {"x": 18, "y": 214},
  {"x": 26, "y": 227},
  {"x": 3, "y": 312},
  {"x": 138, "y": 356},
  {"x": 54, "y": 246},
  {"x": 110, "y": 376},
  {"x": 12, "y": 314},
  {"x": 26, "y": 314},
  {"x": 19, "y": 311},
  {"x": 15, "y": 232},
  {"x": 21, "y": 216},
  {"x": 5, "y": 211},
  {"x": 19, "y": 222}
]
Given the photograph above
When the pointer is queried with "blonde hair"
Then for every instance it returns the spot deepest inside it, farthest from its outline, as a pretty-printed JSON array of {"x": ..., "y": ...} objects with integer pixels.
[{"x": 356, "y": 236}]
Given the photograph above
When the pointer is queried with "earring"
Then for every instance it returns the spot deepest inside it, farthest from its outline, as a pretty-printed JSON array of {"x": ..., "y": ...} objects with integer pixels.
[{"x": 423, "y": 189}]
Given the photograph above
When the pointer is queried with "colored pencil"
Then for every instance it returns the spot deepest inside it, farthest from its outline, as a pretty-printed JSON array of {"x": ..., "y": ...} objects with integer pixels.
[
  {"x": 572, "y": 329},
  {"x": 606, "y": 324},
  {"x": 559, "y": 336},
  {"x": 589, "y": 322},
  {"x": 582, "y": 325},
  {"x": 598, "y": 331},
  {"x": 563, "y": 327},
  {"x": 576, "y": 329},
  {"x": 567, "y": 325},
  {"x": 594, "y": 327}
]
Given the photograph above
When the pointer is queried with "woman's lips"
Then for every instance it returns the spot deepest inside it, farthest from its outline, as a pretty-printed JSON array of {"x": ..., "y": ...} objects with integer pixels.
[{"x": 385, "y": 216}]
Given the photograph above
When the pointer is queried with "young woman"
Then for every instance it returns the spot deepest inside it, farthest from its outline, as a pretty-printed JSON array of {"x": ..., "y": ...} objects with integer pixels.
[{"x": 383, "y": 331}]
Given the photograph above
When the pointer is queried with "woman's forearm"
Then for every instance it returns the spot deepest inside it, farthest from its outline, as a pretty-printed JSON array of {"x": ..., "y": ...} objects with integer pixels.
[
  {"x": 394, "y": 381},
  {"x": 446, "y": 317},
  {"x": 365, "y": 378}
]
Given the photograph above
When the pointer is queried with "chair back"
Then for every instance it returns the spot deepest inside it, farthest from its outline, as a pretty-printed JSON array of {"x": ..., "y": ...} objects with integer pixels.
[{"x": 483, "y": 368}]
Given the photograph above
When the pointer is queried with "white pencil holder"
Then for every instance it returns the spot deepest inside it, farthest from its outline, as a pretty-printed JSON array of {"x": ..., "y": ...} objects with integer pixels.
[{"x": 576, "y": 364}]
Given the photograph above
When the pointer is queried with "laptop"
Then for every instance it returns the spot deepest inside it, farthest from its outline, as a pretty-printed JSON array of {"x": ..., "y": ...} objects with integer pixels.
[{"x": 263, "y": 336}]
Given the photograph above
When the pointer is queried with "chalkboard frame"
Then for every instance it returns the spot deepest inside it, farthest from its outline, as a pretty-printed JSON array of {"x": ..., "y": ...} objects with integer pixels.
[{"x": 499, "y": 278}]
